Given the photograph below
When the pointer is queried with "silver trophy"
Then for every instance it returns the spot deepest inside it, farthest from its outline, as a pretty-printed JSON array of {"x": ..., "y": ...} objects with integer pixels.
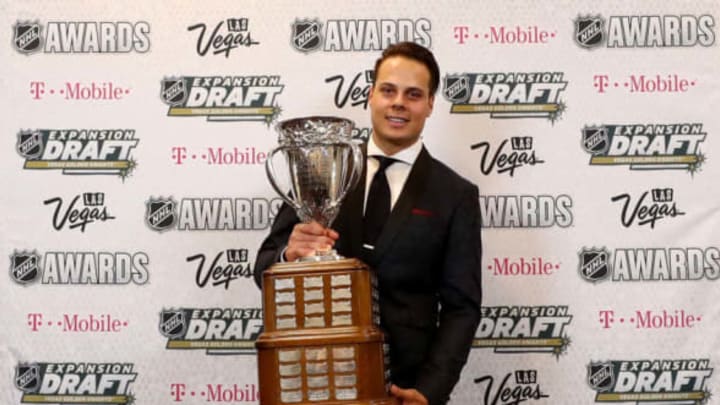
[{"x": 323, "y": 165}]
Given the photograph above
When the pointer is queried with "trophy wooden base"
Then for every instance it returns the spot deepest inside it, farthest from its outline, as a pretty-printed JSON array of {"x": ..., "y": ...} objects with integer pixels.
[{"x": 321, "y": 342}]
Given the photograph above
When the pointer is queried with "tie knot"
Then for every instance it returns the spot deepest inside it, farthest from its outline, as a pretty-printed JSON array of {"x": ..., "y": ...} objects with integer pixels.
[{"x": 384, "y": 162}]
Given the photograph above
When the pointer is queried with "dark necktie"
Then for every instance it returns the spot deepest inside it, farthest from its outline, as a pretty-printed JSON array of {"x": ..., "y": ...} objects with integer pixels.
[{"x": 377, "y": 209}]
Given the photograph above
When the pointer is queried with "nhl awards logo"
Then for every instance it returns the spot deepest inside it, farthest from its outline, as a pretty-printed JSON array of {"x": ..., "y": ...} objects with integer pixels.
[
  {"x": 633, "y": 264},
  {"x": 160, "y": 213},
  {"x": 52, "y": 383},
  {"x": 211, "y": 214},
  {"x": 79, "y": 268},
  {"x": 594, "y": 264},
  {"x": 25, "y": 267},
  {"x": 357, "y": 35},
  {"x": 526, "y": 211},
  {"x": 67, "y": 37},
  {"x": 306, "y": 35},
  {"x": 589, "y": 31},
  {"x": 79, "y": 151},
  {"x": 681, "y": 381},
  {"x": 506, "y": 94},
  {"x": 216, "y": 330},
  {"x": 644, "y": 31},
  {"x": 223, "y": 98},
  {"x": 27, "y": 37}
]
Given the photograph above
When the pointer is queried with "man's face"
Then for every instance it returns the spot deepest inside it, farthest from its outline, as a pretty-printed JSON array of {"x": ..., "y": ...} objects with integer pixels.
[{"x": 400, "y": 101}]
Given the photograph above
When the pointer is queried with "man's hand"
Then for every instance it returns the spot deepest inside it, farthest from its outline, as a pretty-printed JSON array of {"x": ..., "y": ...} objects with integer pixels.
[
  {"x": 305, "y": 239},
  {"x": 408, "y": 396}
]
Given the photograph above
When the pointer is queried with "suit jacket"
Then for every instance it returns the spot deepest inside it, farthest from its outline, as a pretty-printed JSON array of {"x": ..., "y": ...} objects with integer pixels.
[{"x": 427, "y": 261}]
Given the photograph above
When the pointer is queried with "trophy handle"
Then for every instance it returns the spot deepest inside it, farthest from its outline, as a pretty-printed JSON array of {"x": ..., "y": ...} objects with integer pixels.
[
  {"x": 358, "y": 165},
  {"x": 270, "y": 170}
]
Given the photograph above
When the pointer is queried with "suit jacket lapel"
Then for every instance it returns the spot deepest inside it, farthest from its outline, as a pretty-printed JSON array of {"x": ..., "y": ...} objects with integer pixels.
[{"x": 414, "y": 186}]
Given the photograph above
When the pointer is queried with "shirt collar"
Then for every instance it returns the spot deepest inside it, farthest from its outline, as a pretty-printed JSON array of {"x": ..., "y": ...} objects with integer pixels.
[{"x": 407, "y": 155}]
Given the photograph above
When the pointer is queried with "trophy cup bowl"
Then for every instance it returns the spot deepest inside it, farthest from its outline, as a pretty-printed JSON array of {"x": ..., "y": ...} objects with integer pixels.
[
  {"x": 321, "y": 342},
  {"x": 324, "y": 164}
]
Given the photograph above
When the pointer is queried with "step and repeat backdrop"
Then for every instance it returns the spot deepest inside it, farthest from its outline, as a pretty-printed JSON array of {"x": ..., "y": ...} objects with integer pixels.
[{"x": 134, "y": 193}]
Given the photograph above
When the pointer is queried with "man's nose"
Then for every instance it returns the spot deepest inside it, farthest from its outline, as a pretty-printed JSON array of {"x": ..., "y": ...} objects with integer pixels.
[{"x": 399, "y": 101}]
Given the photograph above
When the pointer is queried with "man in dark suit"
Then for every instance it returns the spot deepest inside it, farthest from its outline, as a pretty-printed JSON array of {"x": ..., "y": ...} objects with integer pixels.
[{"x": 427, "y": 254}]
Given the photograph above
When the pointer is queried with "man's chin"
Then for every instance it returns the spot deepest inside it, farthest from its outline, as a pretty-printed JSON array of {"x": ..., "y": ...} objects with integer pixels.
[
  {"x": 397, "y": 133},
  {"x": 397, "y": 138}
]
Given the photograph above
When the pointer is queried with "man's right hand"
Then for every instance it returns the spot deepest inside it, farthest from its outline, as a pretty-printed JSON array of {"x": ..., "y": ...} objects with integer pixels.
[{"x": 306, "y": 239}]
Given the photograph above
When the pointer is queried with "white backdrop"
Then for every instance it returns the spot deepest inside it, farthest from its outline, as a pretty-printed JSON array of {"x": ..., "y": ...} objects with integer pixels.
[{"x": 585, "y": 302}]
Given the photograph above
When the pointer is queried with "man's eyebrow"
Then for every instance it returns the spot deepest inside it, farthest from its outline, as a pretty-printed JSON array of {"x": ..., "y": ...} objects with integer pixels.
[
  {"x": 410, "y": 88},
  {"x": 413, "y": 89}
]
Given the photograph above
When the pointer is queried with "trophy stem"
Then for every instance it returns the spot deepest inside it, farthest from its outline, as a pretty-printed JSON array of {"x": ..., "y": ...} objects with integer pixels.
[{"x": 322, "y": 256}]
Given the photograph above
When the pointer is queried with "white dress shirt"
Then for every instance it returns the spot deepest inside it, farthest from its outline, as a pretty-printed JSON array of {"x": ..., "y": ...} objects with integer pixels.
[{"x": 397, "y": 173}]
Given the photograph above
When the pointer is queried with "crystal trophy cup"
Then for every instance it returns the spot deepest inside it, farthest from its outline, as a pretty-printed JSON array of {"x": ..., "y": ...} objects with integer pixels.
[{"x": 321, "y": 342}]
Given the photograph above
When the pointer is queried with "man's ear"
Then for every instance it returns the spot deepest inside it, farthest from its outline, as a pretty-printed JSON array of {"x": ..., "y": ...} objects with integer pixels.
[{"x": 431, "y": 101}]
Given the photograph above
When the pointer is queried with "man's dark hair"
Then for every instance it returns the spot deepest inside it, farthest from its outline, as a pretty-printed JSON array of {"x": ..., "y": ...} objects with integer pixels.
[{"x": 415, "y": 52}]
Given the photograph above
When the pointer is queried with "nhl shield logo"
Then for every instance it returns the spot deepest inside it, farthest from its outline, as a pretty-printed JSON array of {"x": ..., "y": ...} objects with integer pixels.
[
  {"x": 24, "y": 267},
  {"x": 306, "y": 35},
  {"x": 173, "y": 323},
  {"x": 594, "y": 264},
  {"x": 595, "y": 140},
  {"x": 27, "y": 37},
  {"x": 600, "y": 376},
  {"x": 160, "y": 215},
  {"x": 589, "y": 32},
  {"x": 29, "y": 144},
  {"x": 173, "y": 91},
  {"x": 456, "y": 88},
  {"x": 27, "y": 377}
]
